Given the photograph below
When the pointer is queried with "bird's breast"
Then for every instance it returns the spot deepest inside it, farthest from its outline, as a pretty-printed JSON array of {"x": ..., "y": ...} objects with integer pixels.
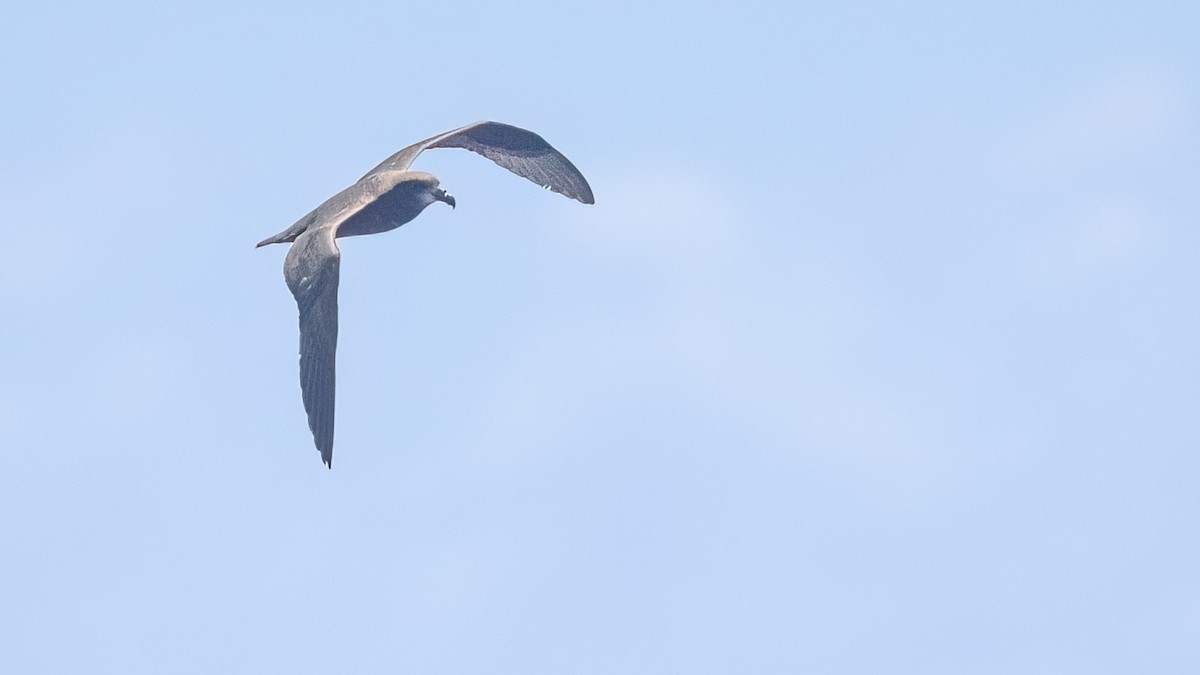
[{"x": 387, "y": 212}]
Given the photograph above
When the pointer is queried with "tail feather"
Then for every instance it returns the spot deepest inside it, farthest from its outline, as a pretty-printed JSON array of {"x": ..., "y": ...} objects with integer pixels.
[
  {"x": 289, "y": 235},
  {"x": 281, "y": 238}
]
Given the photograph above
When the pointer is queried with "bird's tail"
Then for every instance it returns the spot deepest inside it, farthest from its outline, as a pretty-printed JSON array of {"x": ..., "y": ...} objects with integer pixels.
[{"x": 288, "y": 235}]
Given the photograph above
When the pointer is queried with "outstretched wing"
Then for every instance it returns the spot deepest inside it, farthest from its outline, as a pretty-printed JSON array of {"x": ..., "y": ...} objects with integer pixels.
[
  {"x": 311, "y": 271},
  {"x": 518, "y": 150}
]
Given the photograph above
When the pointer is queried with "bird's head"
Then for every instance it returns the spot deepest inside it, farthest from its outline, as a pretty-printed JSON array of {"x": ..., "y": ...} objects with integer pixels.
[{"x": 430, "y": 186}]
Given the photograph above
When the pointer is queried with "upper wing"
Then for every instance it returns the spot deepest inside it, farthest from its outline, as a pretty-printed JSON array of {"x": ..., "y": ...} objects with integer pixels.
[
  {"x": 311, "y": 271},
  {"x": 518, "y": 150}
]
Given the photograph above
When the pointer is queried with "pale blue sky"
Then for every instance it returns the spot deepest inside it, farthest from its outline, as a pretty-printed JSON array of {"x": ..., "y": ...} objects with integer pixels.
[{"x": 876, "y": 354}]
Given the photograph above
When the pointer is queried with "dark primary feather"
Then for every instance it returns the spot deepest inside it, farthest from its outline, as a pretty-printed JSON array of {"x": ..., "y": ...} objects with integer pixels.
[
  {"x": 520, "y": 151},
  {"x": 311, "y": 270}
]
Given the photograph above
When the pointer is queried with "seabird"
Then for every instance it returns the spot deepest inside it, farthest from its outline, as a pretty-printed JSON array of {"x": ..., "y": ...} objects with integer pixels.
[{"x": 387, "y": 197}]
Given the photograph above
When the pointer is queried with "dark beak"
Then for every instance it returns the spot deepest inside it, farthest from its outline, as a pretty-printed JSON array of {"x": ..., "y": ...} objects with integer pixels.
[{"x": 443, "y": 196}]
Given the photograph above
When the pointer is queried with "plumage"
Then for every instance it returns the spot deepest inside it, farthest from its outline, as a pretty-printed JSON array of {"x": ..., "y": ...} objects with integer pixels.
[
  {"x": 518, "y": 150},
  {"x": 385, "y": 198}
]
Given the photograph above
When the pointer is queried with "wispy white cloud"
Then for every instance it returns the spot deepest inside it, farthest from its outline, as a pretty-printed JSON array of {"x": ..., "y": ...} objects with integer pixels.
[
  {"x": 1130, "y": 105},
  {"x": 670, "y": 212},
  {"x": 725, "y": 327},
  {"x": 1076, "y": 186},
  {"x": 1102, "y": 120}
]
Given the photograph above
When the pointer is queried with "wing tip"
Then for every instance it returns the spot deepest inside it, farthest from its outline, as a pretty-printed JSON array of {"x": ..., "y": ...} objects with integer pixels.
[{"x": 582, "y": 194}]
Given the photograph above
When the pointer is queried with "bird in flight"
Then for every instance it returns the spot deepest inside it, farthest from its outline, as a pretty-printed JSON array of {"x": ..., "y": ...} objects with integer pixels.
[{"x": 387, "y": 197}]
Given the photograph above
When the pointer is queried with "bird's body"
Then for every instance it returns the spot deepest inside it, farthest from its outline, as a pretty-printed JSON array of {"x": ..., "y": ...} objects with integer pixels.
[{"x": 387, "y": 197}]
